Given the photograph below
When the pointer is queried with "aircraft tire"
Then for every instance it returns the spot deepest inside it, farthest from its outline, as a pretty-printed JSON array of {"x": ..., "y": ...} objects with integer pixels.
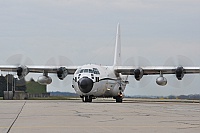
[
  {"x": 90, "y": 99},
  {"x": 119, "y": 99},
  {"x": 87, "y": 98}
]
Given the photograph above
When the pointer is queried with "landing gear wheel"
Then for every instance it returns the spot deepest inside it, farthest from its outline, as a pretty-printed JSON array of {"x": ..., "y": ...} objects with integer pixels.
[
  {"x": 118, "y": 99},
  {"x": 90, "y": 99},
  {"x": 87, "y": 98}
]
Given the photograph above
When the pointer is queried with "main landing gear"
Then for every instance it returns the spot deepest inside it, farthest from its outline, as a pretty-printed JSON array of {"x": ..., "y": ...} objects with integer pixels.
[
  {"x": 118, "y": 99},
  {"x": 86, "y": 98}
]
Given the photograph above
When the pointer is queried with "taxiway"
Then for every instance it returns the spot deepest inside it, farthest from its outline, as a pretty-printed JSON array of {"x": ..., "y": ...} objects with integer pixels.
[{"x": 73, "y": 116}]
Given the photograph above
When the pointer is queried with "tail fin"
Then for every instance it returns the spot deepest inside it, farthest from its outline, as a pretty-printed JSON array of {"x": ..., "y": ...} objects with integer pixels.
[{"x": 117, "y": 58}]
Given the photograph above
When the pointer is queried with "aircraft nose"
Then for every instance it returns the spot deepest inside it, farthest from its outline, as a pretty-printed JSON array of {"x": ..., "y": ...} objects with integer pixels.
[{"x": 85, "y": 84}]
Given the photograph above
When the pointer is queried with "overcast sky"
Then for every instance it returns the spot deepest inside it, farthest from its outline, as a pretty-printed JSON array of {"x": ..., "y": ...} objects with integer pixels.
[{"x": 84, "y": 32}]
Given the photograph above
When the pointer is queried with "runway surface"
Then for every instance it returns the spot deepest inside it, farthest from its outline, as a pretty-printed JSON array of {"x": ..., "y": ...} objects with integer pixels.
[{"x": 73, "y": 116}]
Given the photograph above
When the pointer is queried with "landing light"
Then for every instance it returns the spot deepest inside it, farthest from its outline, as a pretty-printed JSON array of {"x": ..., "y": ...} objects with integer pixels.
[{"x": 120, "y": 94}]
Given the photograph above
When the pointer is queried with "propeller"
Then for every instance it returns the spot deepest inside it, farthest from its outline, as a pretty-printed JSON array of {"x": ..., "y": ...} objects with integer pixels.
[
  {"x": 179, "y": 61},
  {"x": 138, "y": 62},
  {"x": 60, "y": 61},
  {"x": 19, "y": 59}
]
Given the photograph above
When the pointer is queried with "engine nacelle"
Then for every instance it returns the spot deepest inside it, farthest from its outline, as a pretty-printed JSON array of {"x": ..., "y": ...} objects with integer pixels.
[
  {"x": 162, "y": 81},
  {"x": 179, "y": 73},
  {"x": 22, "y": 71},
  {"x": 138, "y": 73},
  {"x": 62, "y": 73},
  {"x": 44, "y": 80}
]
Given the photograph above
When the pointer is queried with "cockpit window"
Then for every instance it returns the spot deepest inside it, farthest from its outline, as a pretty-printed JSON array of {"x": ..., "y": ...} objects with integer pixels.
[
  {"x": 78, "y": 71},
  {"x": 86, "y": 71},
  {"x": 82, "y": 71},
  {"x": 91, "y": 71},
  {"x": 96, "y": 71}
]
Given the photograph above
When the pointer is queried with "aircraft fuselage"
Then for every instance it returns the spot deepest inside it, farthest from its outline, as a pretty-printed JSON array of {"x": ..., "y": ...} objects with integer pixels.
[{"x": 98, "y": 81}]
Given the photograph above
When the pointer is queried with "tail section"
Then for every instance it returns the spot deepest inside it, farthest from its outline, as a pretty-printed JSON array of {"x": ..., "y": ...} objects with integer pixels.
[{"x": 117, "y": 58}]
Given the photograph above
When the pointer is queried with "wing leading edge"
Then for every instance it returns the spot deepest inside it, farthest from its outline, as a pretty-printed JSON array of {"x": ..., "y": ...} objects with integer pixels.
[
  {"x": 161, "y": 80},
  {"x": 129, "y": 70},
  {"x": 39, "y": 69}
]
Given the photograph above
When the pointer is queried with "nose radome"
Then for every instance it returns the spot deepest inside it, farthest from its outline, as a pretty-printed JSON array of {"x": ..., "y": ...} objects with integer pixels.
[{"x": 85, "y": 84}]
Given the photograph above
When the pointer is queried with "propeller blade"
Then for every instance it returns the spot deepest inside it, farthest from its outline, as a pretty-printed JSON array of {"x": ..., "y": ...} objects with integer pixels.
[
  {"x": 177, "y": 61},
  {"x": 138, "y": 62},
  {"x": 19, "y": 59},
  {"x": 59, "y": 61}
]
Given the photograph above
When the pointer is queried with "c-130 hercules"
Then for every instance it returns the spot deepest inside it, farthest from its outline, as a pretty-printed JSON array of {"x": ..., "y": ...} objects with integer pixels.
[{"x": 92, "y": 81}]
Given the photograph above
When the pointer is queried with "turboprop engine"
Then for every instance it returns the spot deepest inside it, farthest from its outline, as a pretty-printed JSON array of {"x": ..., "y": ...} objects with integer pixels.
[
  {"x": 22, "y": 71},
  {"x": 44, "y": 80},
  {"x": 138, "y": 73},
  {"x": 62, "y": 73},
  {"x": 179, "y": 72}
]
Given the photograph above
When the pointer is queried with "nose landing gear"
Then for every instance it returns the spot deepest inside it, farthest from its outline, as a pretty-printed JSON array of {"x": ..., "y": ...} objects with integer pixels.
[{"x": 86, "y": 98}]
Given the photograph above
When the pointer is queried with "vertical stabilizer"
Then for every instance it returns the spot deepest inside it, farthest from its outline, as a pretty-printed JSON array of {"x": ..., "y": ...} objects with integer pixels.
[{"x": 117, "y": 57}]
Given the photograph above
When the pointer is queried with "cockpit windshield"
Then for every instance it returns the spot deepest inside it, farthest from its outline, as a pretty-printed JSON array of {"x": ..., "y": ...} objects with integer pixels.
[
  {"x": 91, "y": 71},
  {"x": 94, "y": 70},
  {"x": 85, "y": 70},
  {"x": 82, "y": 71},
  {"x": 78, "y": 71}
]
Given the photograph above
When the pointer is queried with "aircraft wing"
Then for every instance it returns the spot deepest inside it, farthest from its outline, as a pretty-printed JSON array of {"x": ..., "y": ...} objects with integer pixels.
[
  {"x": 38, "y": 69},
  {"x": 128, "y": 70}
]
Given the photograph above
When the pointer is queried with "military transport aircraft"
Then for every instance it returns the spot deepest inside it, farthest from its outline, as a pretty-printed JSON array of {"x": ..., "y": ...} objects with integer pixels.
[{"x": 91, "y": 81}]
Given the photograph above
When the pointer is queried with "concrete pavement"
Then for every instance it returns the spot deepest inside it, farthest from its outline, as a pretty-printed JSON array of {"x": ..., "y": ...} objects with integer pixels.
[{"x": 73, "y": 116}]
